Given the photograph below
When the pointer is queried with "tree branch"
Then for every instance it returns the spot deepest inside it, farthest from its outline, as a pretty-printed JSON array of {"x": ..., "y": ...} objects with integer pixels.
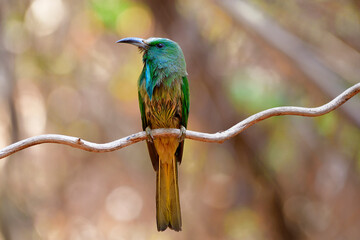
[{"x": 218, "y": 137}]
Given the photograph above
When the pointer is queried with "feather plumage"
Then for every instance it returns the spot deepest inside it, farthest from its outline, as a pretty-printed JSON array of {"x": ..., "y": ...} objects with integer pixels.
[{"x": 163, "y": 92}]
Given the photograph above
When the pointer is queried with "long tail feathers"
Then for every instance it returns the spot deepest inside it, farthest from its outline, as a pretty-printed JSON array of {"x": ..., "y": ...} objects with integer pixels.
[{"x": 167, "y": 197}]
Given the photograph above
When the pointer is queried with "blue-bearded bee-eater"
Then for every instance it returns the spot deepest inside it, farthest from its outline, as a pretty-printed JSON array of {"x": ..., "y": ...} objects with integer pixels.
[{"x": 163, "y": 92}]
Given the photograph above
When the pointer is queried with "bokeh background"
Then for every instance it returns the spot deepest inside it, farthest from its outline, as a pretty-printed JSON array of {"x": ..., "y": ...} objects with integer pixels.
[{"x": 284, "y": 178}]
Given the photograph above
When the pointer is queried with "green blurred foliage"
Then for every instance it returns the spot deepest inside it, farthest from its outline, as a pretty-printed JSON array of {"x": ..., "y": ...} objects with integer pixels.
[
  {"x": 255, "y": 90},
  {"x": 109, "y": 10}
]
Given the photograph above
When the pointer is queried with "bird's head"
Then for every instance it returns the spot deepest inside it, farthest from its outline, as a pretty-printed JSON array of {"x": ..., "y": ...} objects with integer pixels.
[{"x": 160, "y": 52}]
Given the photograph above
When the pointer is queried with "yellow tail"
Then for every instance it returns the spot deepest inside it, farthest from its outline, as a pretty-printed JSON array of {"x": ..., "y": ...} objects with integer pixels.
[{"x": 167, "y": 196}]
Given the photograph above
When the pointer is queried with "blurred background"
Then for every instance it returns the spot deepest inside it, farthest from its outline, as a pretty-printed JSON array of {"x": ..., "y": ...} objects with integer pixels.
[{"x": 284, "y": 178}]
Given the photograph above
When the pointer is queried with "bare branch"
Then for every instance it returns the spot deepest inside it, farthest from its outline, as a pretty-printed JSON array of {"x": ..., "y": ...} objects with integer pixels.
[{"x": 218, "y": 137}]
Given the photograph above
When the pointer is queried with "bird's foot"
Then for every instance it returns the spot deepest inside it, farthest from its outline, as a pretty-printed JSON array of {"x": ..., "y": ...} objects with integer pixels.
[
  {"x": 150, "y": 137},
  {"x": 182, "y": 134}
]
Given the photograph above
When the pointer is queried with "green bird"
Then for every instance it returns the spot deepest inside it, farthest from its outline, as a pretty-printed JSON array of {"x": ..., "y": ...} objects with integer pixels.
[{"x": 163, "y": 92}]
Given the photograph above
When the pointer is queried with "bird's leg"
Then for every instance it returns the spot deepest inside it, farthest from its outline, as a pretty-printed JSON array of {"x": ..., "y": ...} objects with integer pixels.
[
  {"x": 182, "y": 134},
  {"x": 150, "y": 137}
]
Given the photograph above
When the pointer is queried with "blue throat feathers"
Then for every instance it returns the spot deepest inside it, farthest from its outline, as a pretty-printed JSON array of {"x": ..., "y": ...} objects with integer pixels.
[{"x": 149, "y": 85}]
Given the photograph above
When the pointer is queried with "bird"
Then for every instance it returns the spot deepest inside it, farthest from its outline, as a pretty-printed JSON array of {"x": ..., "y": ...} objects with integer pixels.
[{"x": 163, "y": 93}]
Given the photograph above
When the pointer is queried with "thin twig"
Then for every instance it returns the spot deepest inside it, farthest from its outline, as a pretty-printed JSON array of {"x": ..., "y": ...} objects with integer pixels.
[{"x": 218, "y": 137}]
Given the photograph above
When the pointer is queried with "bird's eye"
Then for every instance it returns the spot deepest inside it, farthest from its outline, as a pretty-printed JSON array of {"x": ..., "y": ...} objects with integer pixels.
[{"x": 159, "y": 45}]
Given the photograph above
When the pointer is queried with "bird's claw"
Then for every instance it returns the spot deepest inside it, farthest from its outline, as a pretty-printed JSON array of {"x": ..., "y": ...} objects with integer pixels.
[
  {"x": 150, "y": 137},
  {"x": 182, "y": 134}
]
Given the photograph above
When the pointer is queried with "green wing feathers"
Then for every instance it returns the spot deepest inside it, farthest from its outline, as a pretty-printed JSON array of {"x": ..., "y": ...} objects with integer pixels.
[
  {"x": 142, "y": 111},
  {"x": 185, "y": 100},
  {"x": 185, "y": 104}
]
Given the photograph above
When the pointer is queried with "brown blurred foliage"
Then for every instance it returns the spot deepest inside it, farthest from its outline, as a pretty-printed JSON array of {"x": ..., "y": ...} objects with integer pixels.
[{"x": 284, "y": 178}]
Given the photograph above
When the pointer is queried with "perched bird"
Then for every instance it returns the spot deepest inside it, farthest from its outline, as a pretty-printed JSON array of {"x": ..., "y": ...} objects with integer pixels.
[{"x": 163, "y": 92}]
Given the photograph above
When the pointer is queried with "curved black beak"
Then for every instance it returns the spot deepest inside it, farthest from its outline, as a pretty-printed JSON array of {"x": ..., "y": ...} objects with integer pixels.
[{"x": 135, "y": 41}]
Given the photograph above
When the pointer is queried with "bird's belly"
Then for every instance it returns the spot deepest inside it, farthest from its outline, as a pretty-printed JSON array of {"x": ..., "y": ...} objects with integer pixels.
[
  {"x": 163, "y": 115},
  {"x": 163, "y": 111}
]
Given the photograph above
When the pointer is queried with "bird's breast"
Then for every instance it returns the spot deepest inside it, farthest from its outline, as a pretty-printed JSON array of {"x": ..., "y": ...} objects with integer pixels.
[{"x": 164, "y": 108}]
